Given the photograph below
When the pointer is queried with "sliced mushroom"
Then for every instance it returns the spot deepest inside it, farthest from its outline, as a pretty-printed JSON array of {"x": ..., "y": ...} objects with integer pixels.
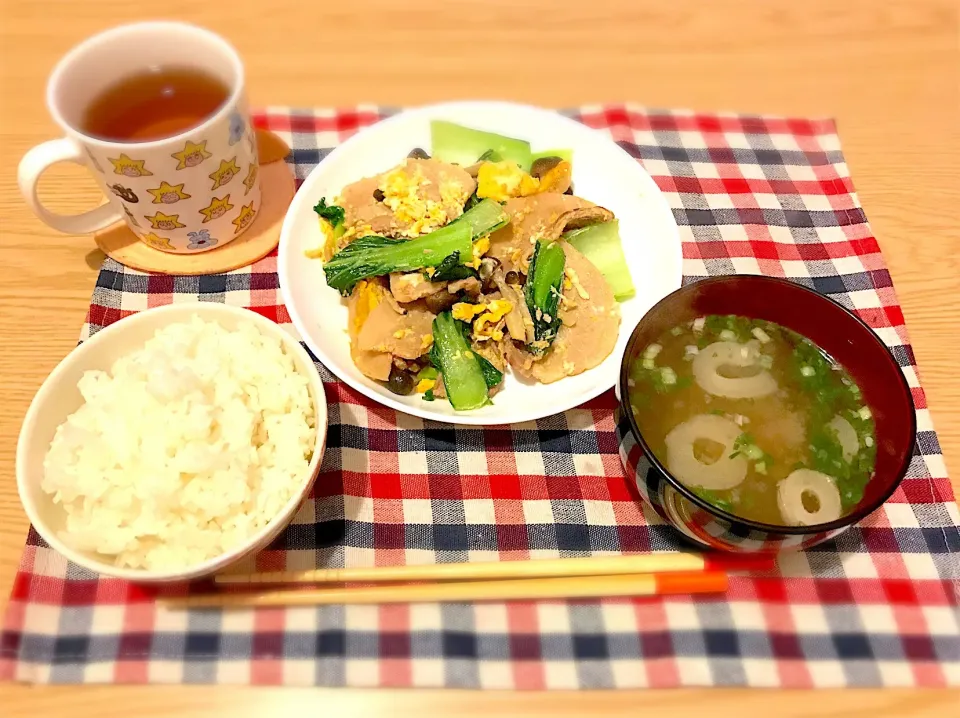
[
  {"x": 440, "y": 301},
  {"x": 487, "y": 267},
  {"x": 542, "y": 165},
  {"x": 577, "y": 218},
  {"x": 470, "y": 285},
  {"x": 519, "y": 321},
  {"x": 558, "y": 178},
  {"x": 401, "y": 382}
]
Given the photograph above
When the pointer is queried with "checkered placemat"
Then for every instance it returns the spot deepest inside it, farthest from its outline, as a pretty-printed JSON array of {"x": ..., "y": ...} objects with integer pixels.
[{"x": 876, "y": 607}]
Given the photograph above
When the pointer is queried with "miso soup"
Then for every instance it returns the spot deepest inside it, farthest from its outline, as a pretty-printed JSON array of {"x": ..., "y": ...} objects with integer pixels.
[{"x": 755, "y": 419}]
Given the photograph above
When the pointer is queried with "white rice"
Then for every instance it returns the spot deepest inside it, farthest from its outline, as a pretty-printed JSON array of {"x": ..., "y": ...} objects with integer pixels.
[{"x": 184, "y": 449}]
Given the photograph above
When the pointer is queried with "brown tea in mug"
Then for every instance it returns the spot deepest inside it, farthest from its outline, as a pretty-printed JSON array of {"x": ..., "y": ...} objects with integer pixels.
[{"x": 153, "y": 104}]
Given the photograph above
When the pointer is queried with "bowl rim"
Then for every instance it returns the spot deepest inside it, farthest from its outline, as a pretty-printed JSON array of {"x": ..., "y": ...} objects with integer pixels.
[
  {"x": 842, "y": 522},
  {"x": 220, "y": 561}
]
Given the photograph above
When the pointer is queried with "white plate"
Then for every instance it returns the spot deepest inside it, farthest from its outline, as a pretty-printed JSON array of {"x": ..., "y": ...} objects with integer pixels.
[{"x": 602, "y": 173}]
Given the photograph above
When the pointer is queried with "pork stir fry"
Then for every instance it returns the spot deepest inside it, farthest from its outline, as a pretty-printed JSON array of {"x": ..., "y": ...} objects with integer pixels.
[{"x": 456, "y": 266}]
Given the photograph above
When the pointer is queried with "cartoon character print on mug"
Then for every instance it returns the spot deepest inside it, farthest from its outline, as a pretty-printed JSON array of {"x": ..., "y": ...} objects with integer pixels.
[{"x": 190, "y": 200}]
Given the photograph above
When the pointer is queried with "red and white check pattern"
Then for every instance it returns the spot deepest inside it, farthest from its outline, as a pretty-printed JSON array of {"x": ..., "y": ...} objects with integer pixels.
[{"x": 877, "y": 607}]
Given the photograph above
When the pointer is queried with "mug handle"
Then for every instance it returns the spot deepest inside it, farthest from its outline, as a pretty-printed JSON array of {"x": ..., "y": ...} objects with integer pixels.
[{"x": 34, "y": 163}]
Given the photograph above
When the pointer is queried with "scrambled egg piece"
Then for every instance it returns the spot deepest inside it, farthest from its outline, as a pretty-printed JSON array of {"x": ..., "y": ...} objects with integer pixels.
[
  {"x": 485, "y": 325},
  {"x": 503, "y": 180},
  {"x": 485, "y": 317},
  {"x": 571, "y": 275},
  {"x": 453, "y": 195},
  {"x": 557, "y": 179},
  {"x": 403, "y": 194},
  {"x": 370, "y": 294},
  {"x": 480, "y": 248},
  {"x": 329, "y": 247},
  {"x": 333, "y": 241},
  {"x": 466, "y": 312},
  {"x": 426, "y": 385}
]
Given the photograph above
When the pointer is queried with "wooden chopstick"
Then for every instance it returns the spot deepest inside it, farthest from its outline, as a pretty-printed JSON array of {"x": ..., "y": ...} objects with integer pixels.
[
  {"x": 539, "y": 568},
  {"x": 509, "y": 590}
]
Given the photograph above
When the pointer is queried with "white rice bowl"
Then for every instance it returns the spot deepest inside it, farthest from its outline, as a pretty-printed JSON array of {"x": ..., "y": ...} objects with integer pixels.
[{"x": 193, "y": 445}]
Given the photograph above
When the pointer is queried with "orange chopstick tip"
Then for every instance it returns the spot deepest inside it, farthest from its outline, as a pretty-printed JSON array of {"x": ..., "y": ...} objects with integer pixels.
[
  {"x": 694, "y": 582},
  {"x": 740, "y": 562}
]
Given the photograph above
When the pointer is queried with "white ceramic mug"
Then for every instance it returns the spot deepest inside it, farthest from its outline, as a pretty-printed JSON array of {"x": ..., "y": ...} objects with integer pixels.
[{"x": 191, "y": 192}]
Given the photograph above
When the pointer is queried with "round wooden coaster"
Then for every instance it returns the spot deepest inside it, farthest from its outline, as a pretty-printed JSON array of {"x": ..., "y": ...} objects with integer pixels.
[{"x": 277, "y": 188}]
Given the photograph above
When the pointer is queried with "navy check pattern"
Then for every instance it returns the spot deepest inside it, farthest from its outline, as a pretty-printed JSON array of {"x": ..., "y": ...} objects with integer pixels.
[{"x": 877, "y": 606}]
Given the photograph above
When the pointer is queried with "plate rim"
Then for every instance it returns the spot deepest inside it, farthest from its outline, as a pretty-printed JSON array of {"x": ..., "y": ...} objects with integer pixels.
[{"x": 465, "y": 418}]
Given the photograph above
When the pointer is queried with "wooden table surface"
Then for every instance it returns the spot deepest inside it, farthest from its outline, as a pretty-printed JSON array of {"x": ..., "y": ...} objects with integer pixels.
[{"x": 888, "y": 71}]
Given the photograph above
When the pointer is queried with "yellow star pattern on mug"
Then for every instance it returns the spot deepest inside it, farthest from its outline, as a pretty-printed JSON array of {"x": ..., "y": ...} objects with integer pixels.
[
  {"x": 127, "y": 167},
  {"x": 250, "y": 178},
  {"x": 216, "y": 209},
  {"x": 245, "y": 217},
  {"x": 156, "y": 242},
  {"x": 168, "y": 193},
  {"x": 227, "y": 171},
  {"x": 192, "y": 154},
  {"x": 165, "y": 221}
]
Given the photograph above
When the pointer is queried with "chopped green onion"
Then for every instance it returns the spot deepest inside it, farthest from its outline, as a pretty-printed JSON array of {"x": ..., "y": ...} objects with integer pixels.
[{"x": 753, "y": 452}]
